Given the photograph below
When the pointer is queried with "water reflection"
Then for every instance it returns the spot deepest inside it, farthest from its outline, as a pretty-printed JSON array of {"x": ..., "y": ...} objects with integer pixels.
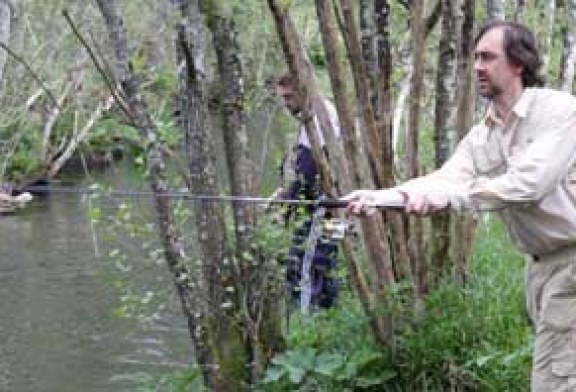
[{"x": 57, "y": 329}]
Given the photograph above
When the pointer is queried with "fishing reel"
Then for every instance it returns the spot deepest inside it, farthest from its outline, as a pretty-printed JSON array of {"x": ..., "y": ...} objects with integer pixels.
[{"x": 336, "y": 229}]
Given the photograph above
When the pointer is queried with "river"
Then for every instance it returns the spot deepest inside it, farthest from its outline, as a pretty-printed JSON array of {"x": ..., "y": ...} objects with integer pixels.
[{"x": 59, "y": 326}]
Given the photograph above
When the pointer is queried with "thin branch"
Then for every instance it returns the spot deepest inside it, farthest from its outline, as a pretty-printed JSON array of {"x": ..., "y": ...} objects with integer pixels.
[
  {"x": 433, "y": 18},
  {"x": 31, "y": 71},
  {"x": 78, "y": 136},
  {"x": 98, "y": 53},
  {"x": 110, "y": 83}
]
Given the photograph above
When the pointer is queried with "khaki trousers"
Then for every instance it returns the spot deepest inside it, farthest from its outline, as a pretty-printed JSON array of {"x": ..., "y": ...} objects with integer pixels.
[{"x": 551, "y": 302}]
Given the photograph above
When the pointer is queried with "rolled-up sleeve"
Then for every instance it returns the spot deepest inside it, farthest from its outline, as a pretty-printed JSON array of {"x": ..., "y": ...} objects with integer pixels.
[
  {"x": 536, "y": 171},
  {"x": 540, "y": 151}
]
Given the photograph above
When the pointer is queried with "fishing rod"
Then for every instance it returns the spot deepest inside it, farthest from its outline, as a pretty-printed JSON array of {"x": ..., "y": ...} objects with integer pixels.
[{"x": 186, "y": 195}]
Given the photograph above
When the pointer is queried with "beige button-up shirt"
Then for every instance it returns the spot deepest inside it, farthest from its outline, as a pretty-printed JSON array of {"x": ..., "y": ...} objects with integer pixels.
[{"x": 524, "y": 169}]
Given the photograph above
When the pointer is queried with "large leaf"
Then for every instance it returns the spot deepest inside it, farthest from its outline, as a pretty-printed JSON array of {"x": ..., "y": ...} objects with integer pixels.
[{"x": 329, "y": 364}]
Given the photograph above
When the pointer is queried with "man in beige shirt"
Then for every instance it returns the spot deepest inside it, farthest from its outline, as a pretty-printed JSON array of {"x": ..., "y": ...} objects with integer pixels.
[{"x": 519, "y": 161}]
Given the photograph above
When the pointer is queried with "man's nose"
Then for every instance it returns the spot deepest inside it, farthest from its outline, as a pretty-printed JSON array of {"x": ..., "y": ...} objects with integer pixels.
[{"x": 479, "y": 65}]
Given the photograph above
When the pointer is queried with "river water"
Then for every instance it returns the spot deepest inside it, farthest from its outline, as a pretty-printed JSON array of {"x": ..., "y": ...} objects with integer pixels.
[{"x": 59, "y": 326}]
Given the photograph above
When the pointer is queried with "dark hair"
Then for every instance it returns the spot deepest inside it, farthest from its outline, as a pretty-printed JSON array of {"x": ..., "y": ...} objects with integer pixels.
[{"x": 520, "y": 48}]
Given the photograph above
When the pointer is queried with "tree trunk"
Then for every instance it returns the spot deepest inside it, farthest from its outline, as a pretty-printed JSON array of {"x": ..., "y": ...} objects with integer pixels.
[
  {"x": 5, "y": 30},
  {"x": 385, "y": 110},
  {"x": 327, "y": 23},
  {"x": 367, "y": 33},
  {"x": 444, "y": 124},
  {"x": 256, "y": 297},
  {"x": 495, "y": 10},
  {"x": 224, "y": 357},
  {"x": 546, "y": 32},
  {"x": 419, "y": 269},
  {"x": 463, "y": 226},
  {"x": 567, "y": 75},
  {"x": 194, "y": 118},
  {"x": 385, "y": 114},
  {"x": 519, "y": 13},
  {"x": 371, "y": 137},
  {"x": 416, "y": 86}
]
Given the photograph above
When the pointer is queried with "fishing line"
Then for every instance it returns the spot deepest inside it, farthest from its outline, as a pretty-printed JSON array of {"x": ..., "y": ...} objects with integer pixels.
[
  {"x": 186, "y": 195},
  {"x": 180, "y": 194}
]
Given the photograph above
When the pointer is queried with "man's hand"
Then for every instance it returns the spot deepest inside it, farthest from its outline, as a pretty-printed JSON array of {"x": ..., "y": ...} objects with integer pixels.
[
  {"x": 366, "y": 202},
  {"x": 424, "y": 203}
]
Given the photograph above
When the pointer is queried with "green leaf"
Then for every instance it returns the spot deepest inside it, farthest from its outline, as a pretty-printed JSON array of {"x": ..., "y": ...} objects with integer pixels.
[
  {"x": 364, "y": 358},
  {"x": 139, "y": 160},
  {"x": 296, "y": 375},
  {"x": 367, "y": 382},
  {"x": 329, "y": 364},
  {"x": 273, "y": 374}
]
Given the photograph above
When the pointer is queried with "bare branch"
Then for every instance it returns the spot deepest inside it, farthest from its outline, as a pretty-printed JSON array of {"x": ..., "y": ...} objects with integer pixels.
[
  {"x": 79, "y": 135},
  {"x": 31, "y": 71},
  {"x": 110, "y": 82}
]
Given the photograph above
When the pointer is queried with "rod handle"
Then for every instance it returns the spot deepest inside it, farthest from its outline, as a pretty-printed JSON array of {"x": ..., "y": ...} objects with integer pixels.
[
  {"x": 336, "y": 203},
  {"x": 332, "y": 203}
]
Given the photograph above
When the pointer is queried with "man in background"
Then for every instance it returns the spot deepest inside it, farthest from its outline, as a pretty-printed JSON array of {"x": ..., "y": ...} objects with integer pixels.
[{"x": 299, "y": 176}]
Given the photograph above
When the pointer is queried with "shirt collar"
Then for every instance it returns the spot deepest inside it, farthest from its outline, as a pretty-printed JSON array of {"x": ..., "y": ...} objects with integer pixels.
[{"x": 520, "y": 109}]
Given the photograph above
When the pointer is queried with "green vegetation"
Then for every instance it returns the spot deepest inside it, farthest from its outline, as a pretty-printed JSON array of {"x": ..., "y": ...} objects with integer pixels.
[{"x": 476, "y": 339}]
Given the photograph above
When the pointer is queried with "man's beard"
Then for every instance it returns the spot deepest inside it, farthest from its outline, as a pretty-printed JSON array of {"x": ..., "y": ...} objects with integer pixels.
[{"x": 490, "y": 90}]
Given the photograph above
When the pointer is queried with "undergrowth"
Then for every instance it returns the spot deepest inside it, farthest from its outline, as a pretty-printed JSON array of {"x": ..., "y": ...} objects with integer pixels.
[{"x": 475, "y": 338}]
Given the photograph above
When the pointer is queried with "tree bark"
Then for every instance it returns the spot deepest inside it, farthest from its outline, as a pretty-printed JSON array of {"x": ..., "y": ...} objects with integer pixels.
[
  {"x": 367, "y": 33},
  {"x": 416, "y": 86},
  {"x": 546, "y": 32},
  {"x": 519, "y": 13},
  {"x": 463, "y": 226},
  {"x": 419, "y": 268},
  {"x": 5, "y": 31},
  {"x": 495, "y": 10},
  {"x": 256, "y": 297},
  {"x": 371, "y": 137},
  {"x": 444, "y": 125},
  {"x": 224, "y": 357},
  {"x": 382, "y": 13},
  {"x": 567, "y": 75},
  {"x": 332, "y": 47}
]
